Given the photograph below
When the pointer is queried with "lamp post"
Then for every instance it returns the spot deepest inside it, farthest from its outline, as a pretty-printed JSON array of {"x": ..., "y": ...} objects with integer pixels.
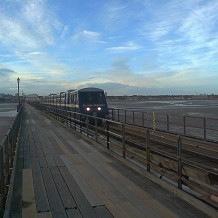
[{"x": 18, "y": 86}]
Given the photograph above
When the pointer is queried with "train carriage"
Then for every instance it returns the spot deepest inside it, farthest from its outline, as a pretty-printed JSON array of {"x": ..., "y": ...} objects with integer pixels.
[{"x": 90, "y": 101}]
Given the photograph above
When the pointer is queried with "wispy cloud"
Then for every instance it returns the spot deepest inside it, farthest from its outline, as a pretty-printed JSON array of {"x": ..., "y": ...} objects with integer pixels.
[
  {"x": 89, "y": 36},
  {"x": 129, "y": 46}
]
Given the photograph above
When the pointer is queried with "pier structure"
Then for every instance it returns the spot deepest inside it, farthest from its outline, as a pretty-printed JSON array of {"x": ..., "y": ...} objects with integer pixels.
[{"x": 59, "y": 172}]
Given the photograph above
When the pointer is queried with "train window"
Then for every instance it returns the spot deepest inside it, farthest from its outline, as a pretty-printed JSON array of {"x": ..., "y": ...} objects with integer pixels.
[{"x": 92, "y": 98}]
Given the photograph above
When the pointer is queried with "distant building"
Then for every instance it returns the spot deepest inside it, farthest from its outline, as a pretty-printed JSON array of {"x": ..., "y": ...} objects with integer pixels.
[{"x": 32, "y": 97}]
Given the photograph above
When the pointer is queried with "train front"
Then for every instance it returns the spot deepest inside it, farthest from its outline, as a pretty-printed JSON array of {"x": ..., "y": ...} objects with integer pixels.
[{"x": 92, "y": 101}]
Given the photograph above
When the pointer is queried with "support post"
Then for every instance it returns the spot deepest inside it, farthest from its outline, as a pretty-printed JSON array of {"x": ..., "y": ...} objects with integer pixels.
[
  {"x": 108, "y": 136},
  {"x": 148, "y": 150},
  {"x": 123, "y": 141},
  {"x": 179, "y": 159}
]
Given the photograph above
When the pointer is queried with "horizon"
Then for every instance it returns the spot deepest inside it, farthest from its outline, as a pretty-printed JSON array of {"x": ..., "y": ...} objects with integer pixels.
[{"x": 124, "y": 47}]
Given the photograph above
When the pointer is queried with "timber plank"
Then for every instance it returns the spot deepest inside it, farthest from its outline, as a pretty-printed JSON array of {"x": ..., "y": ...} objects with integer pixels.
[
  {"x": 43, "y": 143},
  {"x": 39, "y": 149},
  {"x": 82, "y": 203},
  {"x": 91, "y": 196},
  {"x": 62, "y": 144},
  {"x": 118, "y": 205},
  {"x": 74, "y": 213},
  {"x": 44, "y": 215},
  {"x": 102, "y": 211},
  {"x": 58, "y": 161},
  {"x": 51, "y": 145},
  {"x": 54, "y": 199},
  {"x": 42, "y": 161},
  {"x": 50, "y": 160},
  {"x": 28, "y": 201},
  {"x": 27, "y": 163},
  {"x": 33, "y": 152},
  {"x": 64, "y": 192},
  {"x": 42, "y": 203}
]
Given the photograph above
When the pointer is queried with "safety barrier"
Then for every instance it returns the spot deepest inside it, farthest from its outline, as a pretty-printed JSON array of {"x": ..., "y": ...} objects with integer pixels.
[
  {"x": 174, "y": 166},
  {"x": 7, "y": 155},
  {"x": 193, "y": 126}
]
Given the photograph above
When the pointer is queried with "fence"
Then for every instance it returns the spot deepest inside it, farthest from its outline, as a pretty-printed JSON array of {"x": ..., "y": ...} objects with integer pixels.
[
  {"x": 7, "y": 154},
  {"x": 193, "y": 126},
  {"x": 174, "y": 165}
]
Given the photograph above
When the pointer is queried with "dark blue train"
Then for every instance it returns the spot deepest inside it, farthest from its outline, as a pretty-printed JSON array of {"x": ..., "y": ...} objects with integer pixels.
[{"x": 91, "y": 101}]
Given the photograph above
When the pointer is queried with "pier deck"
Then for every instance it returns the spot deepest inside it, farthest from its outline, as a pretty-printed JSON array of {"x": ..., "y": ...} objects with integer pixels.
[{"x": 60, "y": 174}]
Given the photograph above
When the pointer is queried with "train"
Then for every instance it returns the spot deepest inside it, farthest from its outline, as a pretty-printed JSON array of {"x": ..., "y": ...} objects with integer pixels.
[{"x": 90, "y": 101}]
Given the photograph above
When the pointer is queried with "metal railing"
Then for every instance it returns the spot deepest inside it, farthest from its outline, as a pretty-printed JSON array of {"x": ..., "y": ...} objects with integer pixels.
[
  {"x": 205, "y": 128},
  {"x": 113, "y": 135},
  {"x": 7, "y": 155}
]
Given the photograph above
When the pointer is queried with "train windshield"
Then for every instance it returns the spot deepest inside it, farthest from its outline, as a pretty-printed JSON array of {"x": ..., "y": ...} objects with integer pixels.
[{"x": 92, "y": 98}]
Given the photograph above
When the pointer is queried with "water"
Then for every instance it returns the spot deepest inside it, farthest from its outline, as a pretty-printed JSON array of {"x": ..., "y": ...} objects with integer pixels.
[
  {"x": 8, "y": 111},
  {"x": 201, "y": 116},
  {"x": 207, "y": 108}
]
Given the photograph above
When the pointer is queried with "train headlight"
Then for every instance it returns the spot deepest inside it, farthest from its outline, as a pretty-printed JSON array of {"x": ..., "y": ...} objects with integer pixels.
[
  {"x": 88, "y": 109},
  {"x": 99, "y": 108}
]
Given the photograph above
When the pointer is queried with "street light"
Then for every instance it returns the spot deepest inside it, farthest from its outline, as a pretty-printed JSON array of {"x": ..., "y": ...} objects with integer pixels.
[{"x": 18, "y": 86}]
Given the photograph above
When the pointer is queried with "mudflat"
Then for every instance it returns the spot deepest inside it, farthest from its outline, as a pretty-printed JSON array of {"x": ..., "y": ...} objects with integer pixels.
[{"x": 7, "y": 116}]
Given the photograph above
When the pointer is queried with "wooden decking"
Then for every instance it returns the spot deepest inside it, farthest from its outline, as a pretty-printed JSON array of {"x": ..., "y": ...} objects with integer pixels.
[{"x": 59, "y": 174}]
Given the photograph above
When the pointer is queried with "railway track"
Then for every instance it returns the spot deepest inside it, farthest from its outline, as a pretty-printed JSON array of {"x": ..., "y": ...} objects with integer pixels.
[
  {"x": 198, "y": 159},
  {"x": 190, "y": 163}
]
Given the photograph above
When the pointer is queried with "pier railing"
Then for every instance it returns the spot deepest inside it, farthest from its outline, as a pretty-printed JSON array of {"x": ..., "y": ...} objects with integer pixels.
[
  {"x": 7, "y": 155},
  {"x": 173, "y": 164},
  {"x": 201, "y": 127}
]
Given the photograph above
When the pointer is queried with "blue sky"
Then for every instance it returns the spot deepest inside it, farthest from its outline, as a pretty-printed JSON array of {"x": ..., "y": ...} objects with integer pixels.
[{"x": 126, "y": 47}]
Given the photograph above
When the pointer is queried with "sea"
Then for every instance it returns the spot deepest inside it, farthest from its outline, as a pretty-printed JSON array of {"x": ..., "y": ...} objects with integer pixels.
[
  {"x": 206, "y": 108},
  {"x": 8, "y": 112}
]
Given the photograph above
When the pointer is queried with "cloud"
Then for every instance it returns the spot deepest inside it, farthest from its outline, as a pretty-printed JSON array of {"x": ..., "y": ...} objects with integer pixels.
[
  {"x": 129, "y": 46},
  {"x": 4, "y": 72},
  {"x": 32, "y": 25},
  {"x": 88, "y": 36}
]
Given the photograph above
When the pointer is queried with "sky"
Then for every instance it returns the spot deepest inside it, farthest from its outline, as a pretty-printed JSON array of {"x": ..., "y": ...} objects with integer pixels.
[{"x": 126, "y": 47}]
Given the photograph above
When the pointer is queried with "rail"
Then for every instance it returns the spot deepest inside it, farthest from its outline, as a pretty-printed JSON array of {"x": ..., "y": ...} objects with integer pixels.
[
  {"x": 7, "y": 155},
  {"x": 173, "y": 166},
  {"x": 205, "y": 128}
]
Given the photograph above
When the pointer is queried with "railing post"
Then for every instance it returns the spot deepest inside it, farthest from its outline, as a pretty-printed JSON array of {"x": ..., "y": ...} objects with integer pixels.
[
  {"x": 179, "y": 159},
  {"x": 123, "y": 141},
  {"x": 143, "y": 121},
  {"x": 148, "y": 150},
  {"x": 70, "y": 119},
  {"x": 168, "y": 123},
  {"x": 205, "y": 129},
  {"x": 154, "y": 121},
  {"x": 125, "y": 115},
  {"x": 74, "y": 119},
  {"x": 96, "y": 129},
  {"x": 80, "y": 123},
  {"x": 184, "y": 125},
  {"x": 87, "y": 126},
  {"x": 2, "y": 176},
  {"x": 118, "y": 115},
  {"x": 7, "y": 158},
  {"x": 133, "y": 117},
  {"x": 112, "y": 113},
  {"x": 108, "y": 136}
]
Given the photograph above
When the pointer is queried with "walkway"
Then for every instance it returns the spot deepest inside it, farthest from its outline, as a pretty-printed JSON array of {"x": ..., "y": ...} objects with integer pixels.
[{"x": 60, "y": 174}]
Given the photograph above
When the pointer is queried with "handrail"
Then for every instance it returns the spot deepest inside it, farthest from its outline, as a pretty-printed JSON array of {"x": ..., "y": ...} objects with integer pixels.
[
  {"x": 7, "y": 155},
  {"x": 117, "y": 141},
  {"x": 200, "y": 127}
]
